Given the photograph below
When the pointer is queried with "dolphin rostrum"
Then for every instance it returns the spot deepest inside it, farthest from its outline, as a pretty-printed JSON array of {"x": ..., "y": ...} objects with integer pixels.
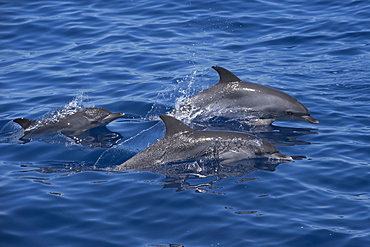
[
  {"x": 233, "y": 98},
  {"x": 70, "y": 125},
  {"x": 183, "y": 143}
]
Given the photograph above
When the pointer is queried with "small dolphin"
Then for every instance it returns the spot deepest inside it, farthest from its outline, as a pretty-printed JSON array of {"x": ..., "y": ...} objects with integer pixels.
[
  {"x": 71, "y": 125},
  {"x": 233, "y": 98},
  {"x": 183, "y": 143}
]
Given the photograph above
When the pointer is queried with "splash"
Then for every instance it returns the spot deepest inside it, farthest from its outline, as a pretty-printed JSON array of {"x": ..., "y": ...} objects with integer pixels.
[
  {"x": 56, "y": 115},
  {"x": 167, "y": 102},
  {"x": 189, "y": 86},
  {"x": 10, "y": 132}
]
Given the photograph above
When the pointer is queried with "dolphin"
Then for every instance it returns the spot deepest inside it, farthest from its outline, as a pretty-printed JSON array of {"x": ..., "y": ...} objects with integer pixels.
[
  {"x": 183, "y": 143},
  {"x": 233, "y": 98},
  {"x": 70, "y": 125}
]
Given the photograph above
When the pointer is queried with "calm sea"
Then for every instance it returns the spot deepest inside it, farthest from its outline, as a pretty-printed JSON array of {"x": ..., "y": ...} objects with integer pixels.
[{"x": 143, "y": 58}]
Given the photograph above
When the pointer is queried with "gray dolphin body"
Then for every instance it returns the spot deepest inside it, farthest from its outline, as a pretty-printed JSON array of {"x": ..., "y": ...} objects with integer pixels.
[
  {"x": 233, "y": 98},
  {"x": 71, "y": 125},
  {"x": 183, "y": 143}
]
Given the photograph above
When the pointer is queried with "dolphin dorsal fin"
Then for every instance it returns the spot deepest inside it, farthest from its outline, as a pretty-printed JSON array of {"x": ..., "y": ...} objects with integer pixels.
[
  {"x": 174, "y": 126},
  {"x": 24, "y": 122},
  {"x": 225, "y": 75}
]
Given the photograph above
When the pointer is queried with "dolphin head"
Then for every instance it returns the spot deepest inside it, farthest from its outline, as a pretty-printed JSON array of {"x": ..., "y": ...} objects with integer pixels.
[
  {"x": 296, "y": 111},
  {"x": 100, "y": 116}
]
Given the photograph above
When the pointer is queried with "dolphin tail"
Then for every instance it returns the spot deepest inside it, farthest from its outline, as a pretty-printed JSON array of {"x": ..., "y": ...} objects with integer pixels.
[{"x": 24, "y": 122}]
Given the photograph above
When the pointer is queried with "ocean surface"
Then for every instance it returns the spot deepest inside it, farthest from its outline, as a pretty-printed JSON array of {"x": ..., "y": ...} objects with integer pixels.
[{"x": 144, "y": 58}]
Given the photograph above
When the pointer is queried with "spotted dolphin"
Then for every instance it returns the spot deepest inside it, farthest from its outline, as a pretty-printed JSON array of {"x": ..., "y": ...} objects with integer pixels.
[
  {"x": 233, "y": 98},
  {"x": 71, "y": 125},
  {"x": 183, "y": 143}
]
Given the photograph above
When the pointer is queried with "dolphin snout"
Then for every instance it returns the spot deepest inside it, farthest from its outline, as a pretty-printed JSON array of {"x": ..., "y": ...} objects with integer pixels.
[
  {"x": 114, "y": 116},
  {"x": 310, "y": 119},
  {"x": 281, "y": 156}
]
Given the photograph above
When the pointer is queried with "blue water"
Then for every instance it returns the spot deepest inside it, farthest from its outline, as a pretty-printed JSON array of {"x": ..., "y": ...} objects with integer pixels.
[{"x": 143, "y": 58}]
